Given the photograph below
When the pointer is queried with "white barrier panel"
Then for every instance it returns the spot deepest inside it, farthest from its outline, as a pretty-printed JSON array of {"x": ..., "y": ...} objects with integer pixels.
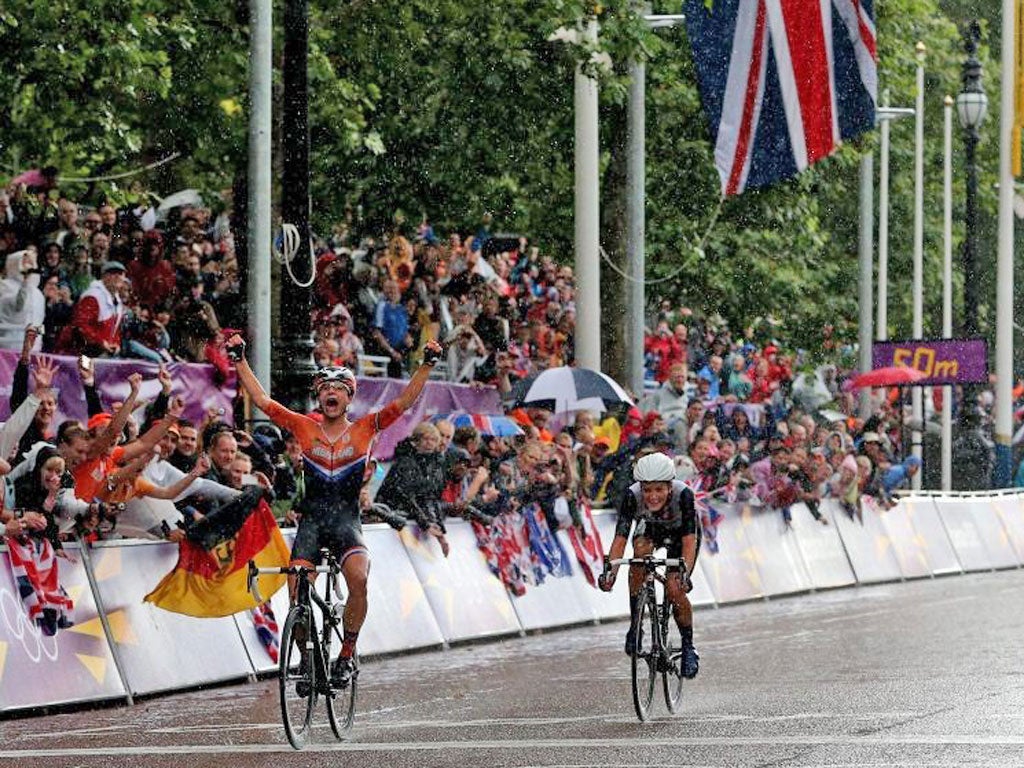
[
  {"x": 732, "y": 572},
  {"x": 822, "y": 551},
  {"x": 75, "y": 665},
  {"x": 1011, "y": 511},
  {"x": 929, "y": 528},
  {"x": 159, "y": 650},
  {"x": 958, "y": 519},
  {"x": 867, "y": 544},
  {"x": 994, "y": 535},
  {"x": 399, "y": 617},
  {"x": 775, "y": 549},
  {"x": 614, "y": 604},
  {"x": 909, "y": 548},
  {"x": 279, "y": 604},
  {"x": 558, "y": 600},
  {"x": 981, "y": 516},
  {"x": 467, "y": 600}
]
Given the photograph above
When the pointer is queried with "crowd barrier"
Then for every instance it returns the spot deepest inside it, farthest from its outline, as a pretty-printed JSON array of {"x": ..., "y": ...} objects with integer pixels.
[{"x": 121, "y": 647}]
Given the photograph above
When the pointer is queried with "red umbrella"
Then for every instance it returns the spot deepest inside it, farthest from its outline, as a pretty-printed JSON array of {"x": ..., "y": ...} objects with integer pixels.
[{"x": 895, "y": 376}]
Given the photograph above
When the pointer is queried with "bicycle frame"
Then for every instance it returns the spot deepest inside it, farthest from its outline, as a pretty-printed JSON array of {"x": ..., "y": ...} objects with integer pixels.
[
  {"x": 660, "y": 659},
  {"x": 314, "y": 646}
]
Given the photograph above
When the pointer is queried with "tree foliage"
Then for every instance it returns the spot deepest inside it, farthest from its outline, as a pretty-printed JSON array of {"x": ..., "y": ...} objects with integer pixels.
[{"x": 451, "y": 108}]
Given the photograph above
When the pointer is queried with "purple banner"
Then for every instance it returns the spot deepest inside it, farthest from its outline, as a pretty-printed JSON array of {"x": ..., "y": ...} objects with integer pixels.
[
  {"x": 193, "y": 382},
  {"x": 438, "y": 397},
  {"x": 942, "y": 361}
]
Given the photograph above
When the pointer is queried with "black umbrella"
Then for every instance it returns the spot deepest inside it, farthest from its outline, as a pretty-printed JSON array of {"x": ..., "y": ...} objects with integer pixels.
[{"x": 566, "y": 389}]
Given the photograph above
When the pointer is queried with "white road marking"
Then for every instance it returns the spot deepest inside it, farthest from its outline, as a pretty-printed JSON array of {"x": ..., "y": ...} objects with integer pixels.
[{"x": 642, "y": 743}]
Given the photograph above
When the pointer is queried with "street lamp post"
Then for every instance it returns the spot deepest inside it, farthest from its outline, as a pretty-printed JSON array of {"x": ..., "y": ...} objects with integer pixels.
[
  {"x": 971, "y": 106},
  {"x": 636, "y": 203}
]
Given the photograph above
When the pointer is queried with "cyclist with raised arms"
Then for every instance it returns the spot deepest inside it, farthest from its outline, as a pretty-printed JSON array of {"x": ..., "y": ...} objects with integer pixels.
[
  {"x": 335, "y": 453},
  {"x": 663, "y": 510}
]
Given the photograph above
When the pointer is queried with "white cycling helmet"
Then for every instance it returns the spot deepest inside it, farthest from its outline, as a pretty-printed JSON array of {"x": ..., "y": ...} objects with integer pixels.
[
  {"x": 332, "y": 373},
  {"x": 654, "y": 468}
]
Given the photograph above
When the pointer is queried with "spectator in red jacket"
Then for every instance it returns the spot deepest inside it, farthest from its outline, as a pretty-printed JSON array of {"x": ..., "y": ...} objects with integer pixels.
[
  {"x": 95, "y": 327},
  {"x": 152, "y": 276}
]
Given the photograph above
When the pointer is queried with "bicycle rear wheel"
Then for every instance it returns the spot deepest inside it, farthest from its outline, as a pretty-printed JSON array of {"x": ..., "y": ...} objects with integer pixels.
[
  {"x": 645, "y": 630},
  {"x": 297, "y": 679},
  {"x": 672, "y": 674},
  {"x": 341, "y": 706}
]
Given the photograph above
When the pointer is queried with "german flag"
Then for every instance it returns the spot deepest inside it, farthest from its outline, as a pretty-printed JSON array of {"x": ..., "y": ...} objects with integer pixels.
[{"x": 209, "y": 579}]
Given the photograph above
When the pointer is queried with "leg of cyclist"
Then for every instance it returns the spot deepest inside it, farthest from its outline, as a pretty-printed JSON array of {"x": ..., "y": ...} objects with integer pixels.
[
  {"x": 676, "y": 592},
  {"x": 642, "y": 547},
  {"x": 355, "y": 567}
]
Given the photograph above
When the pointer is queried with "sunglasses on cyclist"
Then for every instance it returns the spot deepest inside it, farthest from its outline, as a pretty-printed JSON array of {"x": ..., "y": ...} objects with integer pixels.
[{"x": 335, "y": 385}]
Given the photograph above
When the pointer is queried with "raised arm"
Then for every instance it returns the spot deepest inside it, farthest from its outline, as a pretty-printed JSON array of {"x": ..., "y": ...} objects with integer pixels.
[
  {"x": 174, "y": 490},
  {"x": 146, "y": 443},
  {"x": 108, "y": 437},
  {"x": 235, "y": 348},
  {"x": 20, "y": 420},
  {"x": 431, "y": 353}
]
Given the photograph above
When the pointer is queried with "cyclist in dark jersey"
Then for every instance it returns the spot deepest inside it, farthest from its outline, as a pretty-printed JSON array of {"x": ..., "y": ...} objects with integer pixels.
[
  {"x": 663, "y": 510},
  {"x": 335, "y": 453}
]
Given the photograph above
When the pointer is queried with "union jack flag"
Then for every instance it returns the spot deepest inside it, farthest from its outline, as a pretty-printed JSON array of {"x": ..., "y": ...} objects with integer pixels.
[
  {"x": 709, "y": 517},
  {"x": 265, "y": 622},
  {"x": 783, "y": 82}
]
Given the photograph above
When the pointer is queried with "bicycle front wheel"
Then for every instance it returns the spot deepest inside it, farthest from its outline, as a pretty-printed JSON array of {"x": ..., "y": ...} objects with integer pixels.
[
  {"x": 297, "y": 677},
  {"x": 645, "y": 631},
  {"x": 341, "y": 705},
  {"x": 672, "y": 674}
]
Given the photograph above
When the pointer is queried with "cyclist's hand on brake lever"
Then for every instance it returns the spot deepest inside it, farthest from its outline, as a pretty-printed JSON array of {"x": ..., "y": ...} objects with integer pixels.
[{"x": 606, "y": 581}]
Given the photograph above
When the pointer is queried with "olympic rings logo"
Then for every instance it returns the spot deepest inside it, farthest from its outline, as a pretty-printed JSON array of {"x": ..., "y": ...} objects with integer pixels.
[{"x": 21, "y": 629}]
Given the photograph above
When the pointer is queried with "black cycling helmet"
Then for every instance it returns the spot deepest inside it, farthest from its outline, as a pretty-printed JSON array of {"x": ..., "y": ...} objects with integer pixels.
[{"x": 332, "y": 373}]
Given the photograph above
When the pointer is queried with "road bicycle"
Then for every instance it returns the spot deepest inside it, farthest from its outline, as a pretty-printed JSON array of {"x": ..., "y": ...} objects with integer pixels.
[
  {"x": 654, "y": 651},
  {"x": 305, "y": 656}
]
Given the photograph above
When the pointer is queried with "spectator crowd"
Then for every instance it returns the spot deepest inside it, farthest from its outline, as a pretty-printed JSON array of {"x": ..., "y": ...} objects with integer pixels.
[{"x": 746, "y": 417}]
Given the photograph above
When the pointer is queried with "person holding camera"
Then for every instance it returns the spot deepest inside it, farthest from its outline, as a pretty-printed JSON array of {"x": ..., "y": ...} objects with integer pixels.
[
  {"x": 21, "y": 301},
  {"x": 466, "y": 351},
  {"x": 335, "y": 453}
]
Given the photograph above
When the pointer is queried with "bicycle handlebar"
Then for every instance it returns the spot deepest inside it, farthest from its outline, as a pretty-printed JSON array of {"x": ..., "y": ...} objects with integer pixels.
[
  {"x": 254, "y": 572},
  {"x": 671, "y": 562}
]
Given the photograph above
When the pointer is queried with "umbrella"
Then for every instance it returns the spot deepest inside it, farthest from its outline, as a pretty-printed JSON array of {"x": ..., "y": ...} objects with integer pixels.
[
  {"x": 895, "y": 376},
  {"x": 178, "y": 199},
  {"x": 565, "y": 389},
  {"x": 831, "y": 414},
  {"x": 810, "y": 392},
  {"x": 495, "y": 425}
]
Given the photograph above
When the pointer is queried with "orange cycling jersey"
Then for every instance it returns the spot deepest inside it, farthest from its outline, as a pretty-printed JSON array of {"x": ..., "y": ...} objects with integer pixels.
[{"x": 335, "y": 469}]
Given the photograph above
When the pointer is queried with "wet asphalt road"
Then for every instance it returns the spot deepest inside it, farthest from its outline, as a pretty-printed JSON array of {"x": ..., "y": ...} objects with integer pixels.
[{"x": 915, "y": 674}]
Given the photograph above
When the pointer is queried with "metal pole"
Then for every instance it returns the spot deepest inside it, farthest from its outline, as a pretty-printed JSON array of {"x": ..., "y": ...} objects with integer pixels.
[
  {"x": 882, "y": 331},
  {"x": 295, "y": 358},
  {"x": 947, "y": 286},
  {"x": 971, "y": 235},
  {"x": 866, "y": 257},
  {"x": 261, "y": 19},
  {"x": 587, "y": 208},
  {"x": 84, "y": 549},
  {"x": 635, "y": 223},
  {"x": 1001, "y": 477},
  {"x": 918, "y": 290}
]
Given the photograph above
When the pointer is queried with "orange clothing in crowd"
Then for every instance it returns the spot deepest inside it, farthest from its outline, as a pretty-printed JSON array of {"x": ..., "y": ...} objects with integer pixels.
[{"x": 90, "y": 476}]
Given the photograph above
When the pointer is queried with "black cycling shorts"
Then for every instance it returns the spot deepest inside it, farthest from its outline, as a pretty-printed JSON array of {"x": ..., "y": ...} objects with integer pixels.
[
  {"x": 338, "y": 533},
  {"x": 670, "y": 538}
]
